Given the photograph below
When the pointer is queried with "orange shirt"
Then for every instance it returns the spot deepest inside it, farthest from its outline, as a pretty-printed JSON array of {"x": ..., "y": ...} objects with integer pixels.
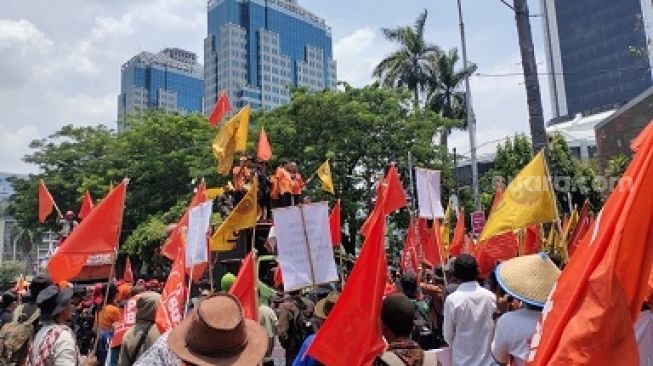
[
  {"x": 240, "y": 179},
  {"x": 109, "y": 315},
  {"x": 297, "y": 183},
  {"x": 284, "y": 181}
]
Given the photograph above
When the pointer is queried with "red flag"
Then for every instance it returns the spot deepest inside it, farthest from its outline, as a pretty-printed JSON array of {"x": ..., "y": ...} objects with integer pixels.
[
  {"x": 98, "y": 234},
  {"x": 393, "y": 198},
  {"x": 409, "y": 261},
  {"x": 128, "y": 321},
  {"x": 278, "y": 277},
  {"x": 170, "y": 310},
  {"x": 496, "y": 249},
  {"x": 532, "y": 239},
  {"x": 351, "y": 335},
  {"x": 498, "y": 194},
  {"x": 458, "y": 240},
  {"x": 581, "y": 229},
  {"x": 244, "y": 288},
  {"x": 334, "y": 225},
  {"x": 46, "y": 202},
  {"x": 433, "y": 248},
  {"x": 87, "y": 206},
  {"x": 176, "y": 240},
  {"x": 128, "y": 275},
  {"x": 589, "y": 317},
  {"x": 263, "y": 151},
  {"x": 222, "y": 106}
]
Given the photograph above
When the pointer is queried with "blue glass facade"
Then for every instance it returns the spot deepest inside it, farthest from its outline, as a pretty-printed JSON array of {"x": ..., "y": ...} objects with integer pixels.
[{"x": 264, "y": 45}]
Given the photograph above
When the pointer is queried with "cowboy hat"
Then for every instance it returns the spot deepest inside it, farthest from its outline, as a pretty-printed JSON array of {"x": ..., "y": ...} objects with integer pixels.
[
  {"x": 215, "y": 333},
  {"x": 52, "y": 301},
  {"x": 324, "y": 306},
  {"x": 529, "y": 278}
]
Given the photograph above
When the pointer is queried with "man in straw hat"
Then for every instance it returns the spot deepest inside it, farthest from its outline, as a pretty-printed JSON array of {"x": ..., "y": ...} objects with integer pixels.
[
  {"x": 529, "y": 279},
  {"x": 214, "y": 333},
  {"x": 468, "y": 325},
  {"x": 321, "y": 312},
  {"x": 54, "y": 344}
]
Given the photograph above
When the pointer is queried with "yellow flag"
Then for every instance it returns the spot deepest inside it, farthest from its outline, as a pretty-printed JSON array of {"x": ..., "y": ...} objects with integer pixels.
[
  {"x": 231, "y": 138},
  {"x": 445, "y": 229},
  {"x": 527, "y": 200},
  {"x": 324, "y": 173},
  {"x": 243, "y": 216},
  {"x": 553, "y": 242},
  {"x": 213, "y": 193}
]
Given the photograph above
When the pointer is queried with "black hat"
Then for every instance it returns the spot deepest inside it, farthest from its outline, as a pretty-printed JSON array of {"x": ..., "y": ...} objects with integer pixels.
[
  {"x": 398, "y": 313},
  {"x": 408, "y": 284},
  {"x": 38, "y": 284},
  {"x": 53, "y": 301},
  {"x": 465, "y": 268}
]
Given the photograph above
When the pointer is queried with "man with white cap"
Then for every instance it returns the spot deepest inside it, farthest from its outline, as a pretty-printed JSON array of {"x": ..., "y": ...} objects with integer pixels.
[{"x": 530, "y": 280}]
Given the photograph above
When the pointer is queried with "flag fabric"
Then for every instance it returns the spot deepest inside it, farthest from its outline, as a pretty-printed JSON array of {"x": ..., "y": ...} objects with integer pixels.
[
  {"x": 87, "y": 206},
  {"x": 532, "y": 239},
  {"x": 433, "y": 247},
  {"x": 221, "y": 107},
  {"x": 427, "y": 183},
  {"x": 127, "y": 274},
  {"x": 445, "y": 228},
  {"x": 244, "y": 288},
  {"x": 231, "y": 138},
  {"x": 581, "y": 229},
  {"x": 98, "y": 234},
  {"x": 423, "y": 237},
  {"x": 498, "y": 194},
  {"x": 128, "y": 320},
  {"x": 199, "y": 220},
  {"x": 263, "y": 150},
  {"x": 243, "y": 216},
  {"x": 458, "y": 240},
  {"x": 409, "y": 262},
  {"x": 589, "y": 317},
  {"x": 170, "y": 310},
  {"x": 527, "y": 200},
  {"x": 46, "y": 202},
  {"x": 278, "y": 277},
  {"x": 177, "y": 238},
  {"x": 334, "y": 225},
  {"x": 351, "y": 335},
  {"x": 393, "y": 197},
  {"x": 213, "y": 193},
  {"x": 496, "y": 249},
  {"x": 324, "y": 173}
]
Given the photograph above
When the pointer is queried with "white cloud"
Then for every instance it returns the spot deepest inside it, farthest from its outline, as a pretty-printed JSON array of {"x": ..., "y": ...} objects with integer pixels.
[
  {"x": 358, "y": 53},
  {"x": 21, "y": 42},
  {"x": 13, "y": 147}
]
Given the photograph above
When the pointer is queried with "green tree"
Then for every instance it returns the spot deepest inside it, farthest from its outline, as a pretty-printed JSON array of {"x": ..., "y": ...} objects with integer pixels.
[
  {"x": 446, "y": 94},
  {"x": 9, "y": 271},
  {"x": 617, "y": 166},
  {"x": 408, "y": 66}
]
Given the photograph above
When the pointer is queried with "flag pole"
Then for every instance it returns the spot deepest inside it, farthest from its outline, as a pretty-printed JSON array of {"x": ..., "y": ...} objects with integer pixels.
[
  {"x": 308, "y": 246},
  {"x": 444, "y": 275},
  {"x": 190, "y": 283}
]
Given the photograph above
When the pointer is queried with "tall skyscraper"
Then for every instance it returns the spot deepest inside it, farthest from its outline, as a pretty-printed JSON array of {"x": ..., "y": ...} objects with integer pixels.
[
  {"x": 171, "y": 79},
  {"x": 597, "y": 53},
  {"x": 257, "y": 49}
]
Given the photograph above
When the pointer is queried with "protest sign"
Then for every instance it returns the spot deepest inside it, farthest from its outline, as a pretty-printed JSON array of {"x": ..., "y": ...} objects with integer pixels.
[{"x": 428, "y": 193}]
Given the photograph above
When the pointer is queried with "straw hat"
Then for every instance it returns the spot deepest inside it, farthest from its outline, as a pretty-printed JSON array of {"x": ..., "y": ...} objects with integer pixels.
[
  {"x": 215, "y": 333},
  {"x": 529, "y": 278},
  {"x": 324, "y": 306}
]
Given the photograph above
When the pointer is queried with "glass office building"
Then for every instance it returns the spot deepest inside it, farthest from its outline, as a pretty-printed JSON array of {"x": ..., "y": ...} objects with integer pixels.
[
  {"x": 171, "y": 80},
  {"x": 597, "y": 53},
  {"x": 256, "y": 50}
]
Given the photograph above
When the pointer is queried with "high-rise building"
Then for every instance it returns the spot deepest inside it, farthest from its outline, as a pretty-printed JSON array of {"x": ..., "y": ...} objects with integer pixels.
[
  {"x": 171, "y": 80},
  {"x": 598, "y": 54},
  {"x": 257, "y": 49}
]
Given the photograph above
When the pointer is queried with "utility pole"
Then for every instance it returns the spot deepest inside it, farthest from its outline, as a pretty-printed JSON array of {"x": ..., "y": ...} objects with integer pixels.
[
  {"x": 471, "y": 119},
  {"x": 533, "y": 97}
]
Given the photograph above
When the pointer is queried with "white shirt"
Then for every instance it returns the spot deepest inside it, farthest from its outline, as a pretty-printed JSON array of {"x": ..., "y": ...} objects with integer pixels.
[
  {"x": 64, "y": 349},
  {"x": 468, "y": 326},
  {"x": 644, "y": 337},
  {"x": 512, "y": 335}
]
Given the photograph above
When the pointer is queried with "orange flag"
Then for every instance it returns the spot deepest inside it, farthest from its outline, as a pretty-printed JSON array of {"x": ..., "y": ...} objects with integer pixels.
[
  {"x": 222, "y": 106},
  {"x": 244, "y": 288},
  {"x": 46, "y": 202},
  {"x": 170, "y": 311},
  {"x": 98, "y": 234},
  {"x": 496, "y": 249},
  {"x": 589, "y": 317},
  {"x": 278, "y": 277},
  {"x": 409, "y": 262},
  {"x": 128, "y": 275},
  {"x": 433, "y": 248},
  {"x": 87, "y": 206},
  {"x": 458, "y": 240},
  {"x": 263, "y": 151},
  {"x": 334, "y": 225},
  {"x": 532, "y": 239},
  {"x": 351, "y": 335},
  {"x": 393, "y": 198},
  {"x": 581, "y": 229},
  {"x": 177, "y": 238}
]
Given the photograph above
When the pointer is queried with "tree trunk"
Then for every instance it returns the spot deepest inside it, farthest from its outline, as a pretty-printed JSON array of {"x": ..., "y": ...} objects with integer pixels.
[
  {"x": 416, "y": 96},
  {"x": 444, "y": 138}
]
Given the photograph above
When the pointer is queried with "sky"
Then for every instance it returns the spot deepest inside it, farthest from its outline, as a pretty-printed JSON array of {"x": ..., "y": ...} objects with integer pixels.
[{"x": 61, "y": 60}]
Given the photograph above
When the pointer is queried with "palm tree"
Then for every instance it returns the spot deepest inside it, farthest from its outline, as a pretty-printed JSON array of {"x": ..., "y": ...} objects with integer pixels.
[
  {"x": 409, "y": 65},
  {"x": 446, "y": 94}
]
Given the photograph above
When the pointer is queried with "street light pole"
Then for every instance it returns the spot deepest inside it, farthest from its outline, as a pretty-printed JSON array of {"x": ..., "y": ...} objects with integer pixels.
[{"x": 471, "y": 119}]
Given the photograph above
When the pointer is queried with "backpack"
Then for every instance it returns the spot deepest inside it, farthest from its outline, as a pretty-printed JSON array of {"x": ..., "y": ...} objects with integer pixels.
[
  {"x": 301, "y": 326},
  {"x": 423, "y": 332},
  {"x": 15, "y": 338},
  {"x": 391, "y": 359}
]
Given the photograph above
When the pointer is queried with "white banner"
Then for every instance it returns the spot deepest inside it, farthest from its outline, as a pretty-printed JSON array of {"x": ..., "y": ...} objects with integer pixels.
[
  {"x": 199, "y": 218},
  {"x": 428, "y": 193},
  {"x": 304, "y": 245}
]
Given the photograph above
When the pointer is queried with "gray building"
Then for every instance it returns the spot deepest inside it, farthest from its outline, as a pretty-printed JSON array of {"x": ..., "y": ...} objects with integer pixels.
[
  {"x": 171, "y": 80},
  {"x": 598, "y": 54}
]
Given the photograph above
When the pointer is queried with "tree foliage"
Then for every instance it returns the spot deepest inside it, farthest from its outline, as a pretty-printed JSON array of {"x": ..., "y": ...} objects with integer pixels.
[{"x": 9, "y": 271}]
